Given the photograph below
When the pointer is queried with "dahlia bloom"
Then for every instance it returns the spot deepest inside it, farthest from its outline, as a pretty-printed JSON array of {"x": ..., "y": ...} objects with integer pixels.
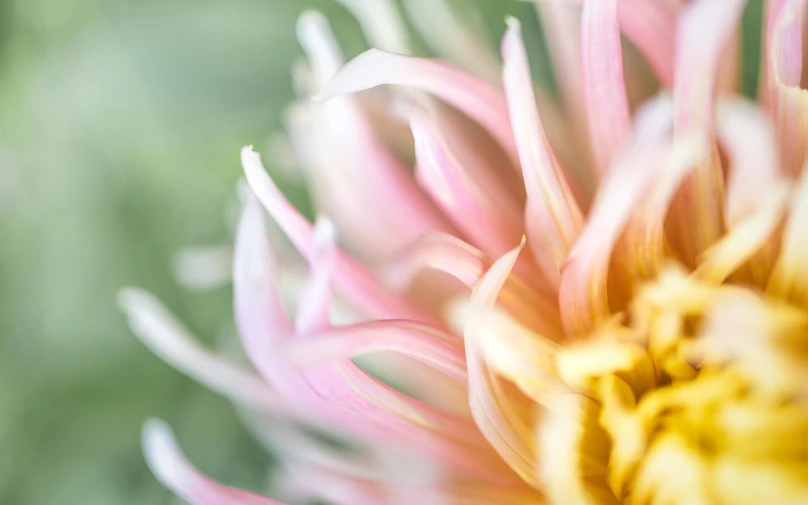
[{"x": 596, "y": 300}]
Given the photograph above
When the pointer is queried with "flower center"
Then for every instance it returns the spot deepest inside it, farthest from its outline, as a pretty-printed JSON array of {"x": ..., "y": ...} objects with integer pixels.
[{"x": 697, "y": 396}]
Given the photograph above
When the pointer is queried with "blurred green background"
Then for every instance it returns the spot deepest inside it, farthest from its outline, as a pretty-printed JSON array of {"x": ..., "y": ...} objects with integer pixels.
[{"x": 120, "y": 127}]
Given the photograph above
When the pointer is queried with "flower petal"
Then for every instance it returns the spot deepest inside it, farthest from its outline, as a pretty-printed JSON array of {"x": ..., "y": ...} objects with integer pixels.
[
  {"x": 260, "y": 316},
  {"x": 168, "y": 464},
  {"x": 462, "y": 41},
  {"x": 553, "y": 218},
  {"x": 427, "y": 344},
  {"x": 381, "y": 23},
  {"x": 478, "y": 99},
  {"x": 493, "y": 224},
  {"x": 749, "y": 139},
  {"x": 651, "y": 26},
  {"x": 706, "y": 28},
  {"x": 638, "y": 175},
  {"x": 786, "y": 100},
  {"x": 355, "y": 170},
  {"x": 603, "y": 83},
  {"x": 164, "y": 335},
  {"x": 533, "y": 309},
  {"x": 501, "y": 416},
  {"x": 313, "y": 309},
  {"x": 745, "y": 238},
  {"x": 789, "y": 279},
  {"x": 350, "y": 278}
]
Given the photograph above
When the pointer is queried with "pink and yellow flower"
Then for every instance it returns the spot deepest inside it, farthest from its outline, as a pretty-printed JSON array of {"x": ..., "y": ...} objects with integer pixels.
[{"x": 597, "y": 301}]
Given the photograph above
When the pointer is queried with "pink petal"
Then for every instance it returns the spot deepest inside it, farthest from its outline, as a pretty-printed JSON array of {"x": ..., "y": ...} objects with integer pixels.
[
  {"x": 492, "y": 224},
  {"x": 358, "y": 170},
  {"x": 471, "y": 95},
  {"x": 169, "y": 465},
  {"x": 790, "y": 277},
  {"x": 705, "y": 29},
  {"x": 427, "y": 344},
  {"x": 583, "y": 297},
  {"x": 350, "y": 278},
  {"x": 786, "y": 101},
  {"x": 366, "y": 406},
  {"x": 313, "y": 309},
  {"x": 258, "y": 307},
  {"x": 456, "y": 37},
  {"x": 444, "y": 253},
  {"x": 166, "y": 337},
  {"x": 748, "y": 137},
  {"x": 499, "y": 418},
  {"x": 553, "y": 218},
  {"x": 651, "y": 26},
  {"x": 604, "y": 86}
]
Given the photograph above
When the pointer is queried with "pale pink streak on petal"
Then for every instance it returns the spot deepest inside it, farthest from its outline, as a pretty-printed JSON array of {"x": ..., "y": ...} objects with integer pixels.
[
  {"x": 706, "y": 27},
  {"x": 553, "y": 219},
  {"x": 445, "y": 253},
  {"x": 168, "y": 464},
  {"x": 603, "y": 82},
  {"x": 488, "y": 225},
  {"x": 314, "y": 303},
  {"x": 427, "y": 344},
  {"x": 350, "y": 278},
  {"x": 499, "y": 420},
  {"x": 786, "y": 101},
  {"x": 639, "y": 174},
  {"x": 473, "y": 96}
]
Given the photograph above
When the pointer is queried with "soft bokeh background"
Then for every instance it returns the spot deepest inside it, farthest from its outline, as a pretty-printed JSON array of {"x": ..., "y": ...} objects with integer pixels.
[{"x": 120, "y": 126}]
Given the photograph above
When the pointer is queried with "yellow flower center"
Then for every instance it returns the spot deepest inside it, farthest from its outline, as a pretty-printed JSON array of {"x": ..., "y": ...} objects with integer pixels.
[{"x": 697, "y": 395}]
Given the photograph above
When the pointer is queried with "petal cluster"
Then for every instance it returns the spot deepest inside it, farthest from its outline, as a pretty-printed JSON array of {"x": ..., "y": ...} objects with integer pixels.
[{"x": 509, "y": 298}]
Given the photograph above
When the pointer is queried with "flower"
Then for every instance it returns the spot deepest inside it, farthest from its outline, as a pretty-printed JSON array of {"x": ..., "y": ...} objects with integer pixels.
[{"x": 601, "y": 301}]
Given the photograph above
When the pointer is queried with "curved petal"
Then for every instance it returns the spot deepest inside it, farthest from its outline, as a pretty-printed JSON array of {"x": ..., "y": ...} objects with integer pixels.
[
  {"x": 553, "y": 219},
  {"x": 789, "y": 279},
  {"x": 427, "y": 344},
  {"x": 381, "y": 23},
  {"x": 706, "y": 27},
  {"x": 536, "y": 310},
  {"x": 786, "y": 100},
  {"x": 475, "y": 97},
  {"x": 355, "y": 169},
  {"x": 168, "y": 464},
  {"x": 583, "y": 297},
  {"x": 745, "y": 238},
  {"x": 314, "y": 303},
  {"x": 492, "y": 224},
  {"x": 350, "y": 278},
  {"x": 164, "y": 335},
  {"x": 603, "y": 83},
  {"x": 750, "y": 142},
  {"x": 501, "y": 416},
  {"x": 257, "y": 303},
  {"x": 460, "y": 40}
]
